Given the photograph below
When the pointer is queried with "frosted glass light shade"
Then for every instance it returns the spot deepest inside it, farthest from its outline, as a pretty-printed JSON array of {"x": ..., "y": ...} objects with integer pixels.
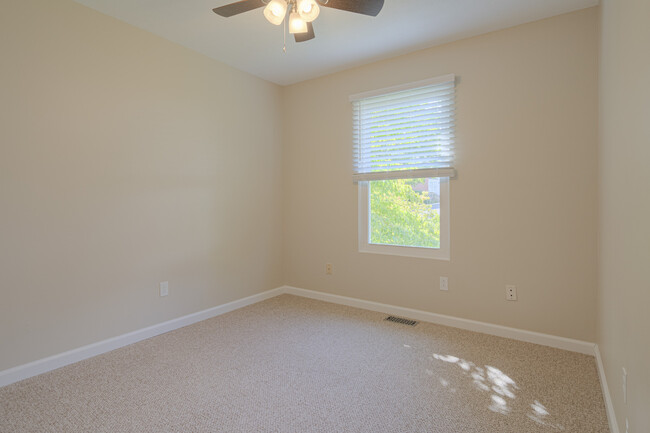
[
  {"x": 296, "y": 23},
  {"x": 275, "y": 11},
  {"x": 308, "y": 10}
]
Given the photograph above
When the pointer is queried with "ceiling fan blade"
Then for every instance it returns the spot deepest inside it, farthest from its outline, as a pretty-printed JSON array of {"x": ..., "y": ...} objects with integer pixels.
[
  {"x": 238, "y": 7},
  {"x": 309, "y": 34},
  {"x": 366, "y": 7}
]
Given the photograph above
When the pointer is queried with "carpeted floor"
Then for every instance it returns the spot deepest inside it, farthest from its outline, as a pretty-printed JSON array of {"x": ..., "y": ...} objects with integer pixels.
[{"x": 292, "y": 364}]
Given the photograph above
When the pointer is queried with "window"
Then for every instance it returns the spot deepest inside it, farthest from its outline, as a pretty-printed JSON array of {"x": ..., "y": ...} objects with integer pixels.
[{"x": 403, "y": 160}]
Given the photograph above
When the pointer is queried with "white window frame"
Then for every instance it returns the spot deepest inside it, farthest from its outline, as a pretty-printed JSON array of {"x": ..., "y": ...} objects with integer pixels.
[
  {"x": 363, "y": 179},
  {"x": 365, "y": 246}
]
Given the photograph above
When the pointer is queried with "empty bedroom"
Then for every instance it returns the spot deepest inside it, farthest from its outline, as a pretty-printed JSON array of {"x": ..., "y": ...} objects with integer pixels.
[{"x": 324, "y": 216}]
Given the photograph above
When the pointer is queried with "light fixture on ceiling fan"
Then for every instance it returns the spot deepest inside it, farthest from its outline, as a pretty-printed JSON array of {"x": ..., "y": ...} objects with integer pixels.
[{"x": 301, "y": 12}]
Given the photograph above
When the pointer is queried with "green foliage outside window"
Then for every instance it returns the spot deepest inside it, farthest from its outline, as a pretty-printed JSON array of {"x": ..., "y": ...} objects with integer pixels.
[{"x": 400, "y": 215}]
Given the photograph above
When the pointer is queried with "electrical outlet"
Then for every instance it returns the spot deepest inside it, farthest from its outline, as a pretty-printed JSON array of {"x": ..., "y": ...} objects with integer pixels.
[
  {"x": 444, "y": 283},
  {"x": 627, "y": 426},
  {"x": 164, "y": 288},
  {"x": 328, "y": 269},
  {"x": 511, "y": 293}
]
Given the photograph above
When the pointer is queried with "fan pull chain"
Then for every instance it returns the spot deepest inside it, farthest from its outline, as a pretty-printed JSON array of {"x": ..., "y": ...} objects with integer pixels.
[{"x": 284, "y": 35}]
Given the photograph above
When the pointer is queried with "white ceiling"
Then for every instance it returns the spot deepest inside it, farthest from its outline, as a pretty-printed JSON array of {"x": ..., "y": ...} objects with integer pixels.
[{"x": 343, "y": 39}]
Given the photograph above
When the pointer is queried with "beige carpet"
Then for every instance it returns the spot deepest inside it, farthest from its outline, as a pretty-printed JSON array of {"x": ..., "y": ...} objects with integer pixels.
[{"x": 291, "y": 364}]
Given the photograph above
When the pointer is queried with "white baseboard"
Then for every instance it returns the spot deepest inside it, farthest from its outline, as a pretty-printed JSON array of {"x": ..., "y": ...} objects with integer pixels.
[
  {"x": 44, "y": 365},
  {"x": 470, "y": 325},
  {"x": 609, "y": 406}
]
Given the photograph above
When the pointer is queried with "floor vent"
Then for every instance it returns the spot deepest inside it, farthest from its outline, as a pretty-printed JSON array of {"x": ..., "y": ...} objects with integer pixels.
[{"x": 402, "y": 321}]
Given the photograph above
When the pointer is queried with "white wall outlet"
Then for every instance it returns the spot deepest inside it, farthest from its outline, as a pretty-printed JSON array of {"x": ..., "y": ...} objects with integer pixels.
[
  {"x": 444, "y": 283},
  {"x": 627, "y": 426},
  {"x": 328, "y": 268},
  {"x": 624, "y": 385},
  {"x": 511, "y": 293},
  {"x": 164, "y": 288}
]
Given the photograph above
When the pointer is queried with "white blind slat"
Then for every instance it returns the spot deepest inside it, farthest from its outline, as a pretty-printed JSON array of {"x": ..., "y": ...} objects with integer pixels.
[
  {"x": 407, "y": 101},
  {"x": 405, "y": 133},
  {"x": 408, "y": 148},
  {"x": 441, "y": 109},
  {"x": 374, "y": 133},
  {"x": 409, "y": 174}
]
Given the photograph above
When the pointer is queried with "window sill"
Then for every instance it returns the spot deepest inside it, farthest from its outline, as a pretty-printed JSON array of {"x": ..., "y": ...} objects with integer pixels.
[{"x": 394, "y": 250}]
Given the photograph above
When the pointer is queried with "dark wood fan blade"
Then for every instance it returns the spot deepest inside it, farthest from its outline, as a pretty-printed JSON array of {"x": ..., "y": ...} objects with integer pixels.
[
  {"x": 309, "y": 34},
  {"x": 366, "y": 7},
  {"x": 238, "y": 7}
]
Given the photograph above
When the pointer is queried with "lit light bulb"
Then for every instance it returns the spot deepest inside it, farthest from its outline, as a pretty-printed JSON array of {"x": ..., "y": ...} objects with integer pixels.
[
  {"x": 297, "y": 24},
  {"x": 308, "y": 10},
  {"x": 275, "y": 11}
]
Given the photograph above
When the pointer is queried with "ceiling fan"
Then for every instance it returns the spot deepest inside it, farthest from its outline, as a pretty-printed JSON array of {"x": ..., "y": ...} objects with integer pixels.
[{"x": 301, "y": 12}]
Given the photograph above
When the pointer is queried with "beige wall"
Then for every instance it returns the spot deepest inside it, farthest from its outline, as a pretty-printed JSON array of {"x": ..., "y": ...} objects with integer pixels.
[
  {"x": 125, "y": 160},
  {"x": 624, "y": 301},
  {"x": 121, "y": 161},
  {"x": 523, "y": 208}
]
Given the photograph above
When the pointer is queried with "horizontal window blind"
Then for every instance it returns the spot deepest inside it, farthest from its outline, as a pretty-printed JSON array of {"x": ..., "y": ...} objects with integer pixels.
[{"x": 406, "y": 131}]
